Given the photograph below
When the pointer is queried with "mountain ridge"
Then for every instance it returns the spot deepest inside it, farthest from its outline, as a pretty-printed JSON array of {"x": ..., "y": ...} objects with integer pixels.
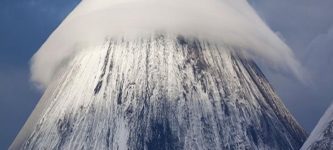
[{"x": 321, "y": 136}]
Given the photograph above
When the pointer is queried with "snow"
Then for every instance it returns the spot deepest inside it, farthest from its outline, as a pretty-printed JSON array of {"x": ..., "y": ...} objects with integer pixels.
[
  {"x": 318, "y": 134},
  {"x": 160, "y": 92}
]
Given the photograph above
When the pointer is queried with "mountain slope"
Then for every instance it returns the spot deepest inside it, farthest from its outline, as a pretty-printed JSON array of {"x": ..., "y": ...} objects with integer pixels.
[
  {"x": 321, "y": 138},
  {"x": 160, "y": 92}
]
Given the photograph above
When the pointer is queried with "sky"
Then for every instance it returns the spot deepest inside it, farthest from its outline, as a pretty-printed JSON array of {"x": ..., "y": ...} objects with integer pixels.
[{"x": 305, "y": 25}]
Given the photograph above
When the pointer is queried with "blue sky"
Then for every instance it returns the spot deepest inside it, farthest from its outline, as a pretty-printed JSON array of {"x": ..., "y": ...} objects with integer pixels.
[
  {"x": 305, "y": 25},
  {"x": 24, "y": 26}
]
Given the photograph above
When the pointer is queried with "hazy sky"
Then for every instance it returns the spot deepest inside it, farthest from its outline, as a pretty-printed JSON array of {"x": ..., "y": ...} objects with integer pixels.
[{"x": 305, "y": 25}]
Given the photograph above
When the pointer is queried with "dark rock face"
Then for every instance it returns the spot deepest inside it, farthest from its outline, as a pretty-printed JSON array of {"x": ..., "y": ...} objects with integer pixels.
[{"x": 161, "y": 93}]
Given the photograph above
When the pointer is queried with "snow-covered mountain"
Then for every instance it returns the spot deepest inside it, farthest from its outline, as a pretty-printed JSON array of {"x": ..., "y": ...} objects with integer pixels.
[
  {"x": 160, "y": 92},
  {"x": 321, "y": 138}
]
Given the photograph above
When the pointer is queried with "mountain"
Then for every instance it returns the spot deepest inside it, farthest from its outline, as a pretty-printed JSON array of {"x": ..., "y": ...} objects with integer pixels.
[
  {"x": 321, "y": 138},
  {"x": 160, "y": 92}
]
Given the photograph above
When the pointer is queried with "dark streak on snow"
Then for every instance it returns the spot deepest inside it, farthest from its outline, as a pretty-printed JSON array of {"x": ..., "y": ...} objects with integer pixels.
[{"x": 106, "y": 61}]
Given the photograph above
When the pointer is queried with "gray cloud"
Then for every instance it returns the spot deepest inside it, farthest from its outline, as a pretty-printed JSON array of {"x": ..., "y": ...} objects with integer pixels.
[{"x": 319, "y": 59}]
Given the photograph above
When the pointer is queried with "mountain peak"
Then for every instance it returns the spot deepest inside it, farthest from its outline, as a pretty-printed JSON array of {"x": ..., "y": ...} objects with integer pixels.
[{"x": 160, "y": 92}]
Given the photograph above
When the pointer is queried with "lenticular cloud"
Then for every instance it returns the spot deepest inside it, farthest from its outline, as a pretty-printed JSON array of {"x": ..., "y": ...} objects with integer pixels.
[{"x": 231, "y": 23}]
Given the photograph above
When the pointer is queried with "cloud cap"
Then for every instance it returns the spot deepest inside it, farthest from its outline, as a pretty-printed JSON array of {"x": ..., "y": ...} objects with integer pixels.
[{"x": 227, "y": 22}]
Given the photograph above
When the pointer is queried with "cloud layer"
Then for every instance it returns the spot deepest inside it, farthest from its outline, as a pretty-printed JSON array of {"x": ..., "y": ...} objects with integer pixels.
[{"x": 228, "y": 22}]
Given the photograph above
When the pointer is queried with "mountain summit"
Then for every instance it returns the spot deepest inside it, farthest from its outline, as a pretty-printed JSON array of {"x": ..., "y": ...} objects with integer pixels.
[{"x": 160, "y": 92}]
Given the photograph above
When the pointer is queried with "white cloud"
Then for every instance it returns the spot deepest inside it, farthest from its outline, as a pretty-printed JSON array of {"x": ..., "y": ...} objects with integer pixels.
[{"x": 231, "y": 22}]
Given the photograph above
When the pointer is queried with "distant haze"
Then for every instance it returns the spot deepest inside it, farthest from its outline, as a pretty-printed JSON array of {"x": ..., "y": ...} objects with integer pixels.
[{"x": 231, "y": 23}]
